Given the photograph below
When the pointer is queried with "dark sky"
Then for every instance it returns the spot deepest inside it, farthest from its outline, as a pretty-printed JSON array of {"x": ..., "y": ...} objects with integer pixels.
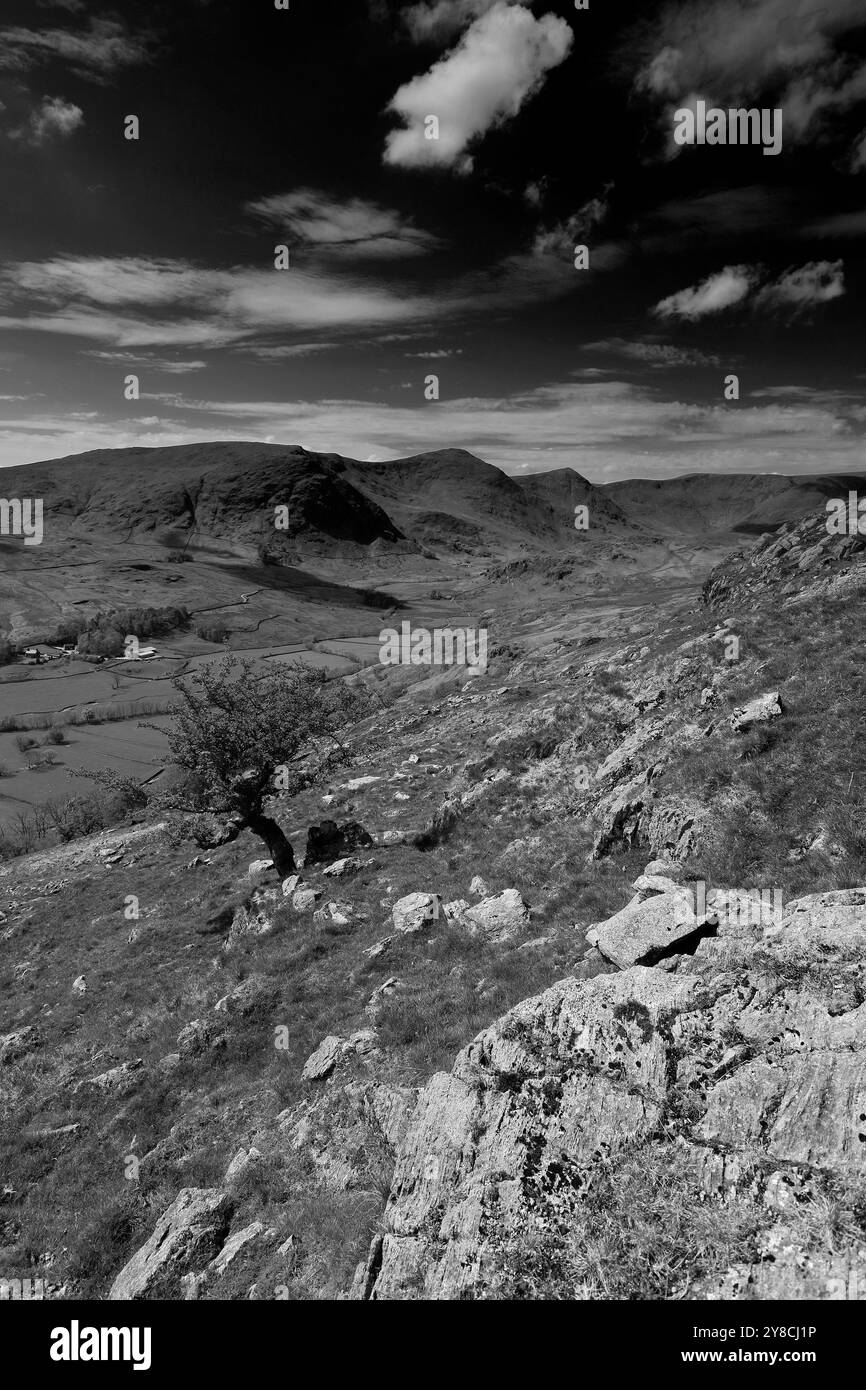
[{"x": 454, "y": 257}]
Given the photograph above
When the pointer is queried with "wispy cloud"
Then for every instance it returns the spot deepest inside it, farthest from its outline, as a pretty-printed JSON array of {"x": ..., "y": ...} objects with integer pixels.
[
  {"x": 605, "y": 429},
  {"x": 804, "y": 287},
  {"x": 501, "y": 61},
  {"x": 738, "y": 50},
  {"x": 843, "y": 224},
  {"x": 654, "y": 354},
  {"x": 720, "y": 291},
  {"x": 172, "y": 367},
  {"x": 101, "y": 49},
  {"x": 353, "y": 229},
  {"x": 795, "y": 291},
  {"x": 52, "y": 119}
]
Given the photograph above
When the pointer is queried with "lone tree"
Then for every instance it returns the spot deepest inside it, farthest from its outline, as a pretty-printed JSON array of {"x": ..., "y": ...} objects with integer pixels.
[{"x": 235, "y": 729}]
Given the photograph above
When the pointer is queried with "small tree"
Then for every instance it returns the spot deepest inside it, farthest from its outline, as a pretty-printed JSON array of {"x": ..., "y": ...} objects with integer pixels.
[{"x": 235, "y": 726}]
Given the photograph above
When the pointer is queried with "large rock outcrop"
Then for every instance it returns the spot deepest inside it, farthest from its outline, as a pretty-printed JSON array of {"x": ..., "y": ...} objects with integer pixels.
[
  {"x": 763, "y": 1034},
  {"x": 189, "y": 1233}
]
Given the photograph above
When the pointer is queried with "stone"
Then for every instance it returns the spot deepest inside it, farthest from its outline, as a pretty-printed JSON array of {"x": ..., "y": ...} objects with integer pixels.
[
  {"x": 478, "y": 888},
  {"x": 334, "y": 915},
  {"x": 190, "y": 1232},
  {"x": 647, "y": 885},
  {"x": 236, "y": 1243},
  {"x": 647, "y": 931},
  {"x": 411, "y": 912},
  {"x": 290, "y": 884},
  {"x": 381, "y": 994},
  {"x": 119, "y": 1079},
  {"x": 17, "y": 1043},
  {"x": 243, "y": 1160},
  {"x": 758, "y": 711},
  {"x": 341, "y": 867},
  {"x": 329, "y": 841},
  {"x": 322, "y": 1062},
  {"x": 79, "y": 985},
  {"x": 499, "y": 918},
  {"x": 259, "y": 866},
  {"x": 304, "y": 900}
]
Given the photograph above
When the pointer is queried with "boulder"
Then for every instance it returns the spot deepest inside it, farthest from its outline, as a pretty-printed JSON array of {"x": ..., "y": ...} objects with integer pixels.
[
  {"x": 498, "y": 918},
  {"x": 757, "y": 711},
  {"x": 478, "y": 888},
  {"x": 322, "y": 1062},
  {"x": 341, "y": 867},
  {"x": 647, "y": 931},
  {"x": 17, "y": 1043},
  {"x": 411, "y": 912},
  {"x": 243, "y": 1160},
  {"x": 334, "y": 915},
  {"x": 190, "y": 1232},
  {"x": 304, "y": 900},
  {"x": 329, "y": 841}
]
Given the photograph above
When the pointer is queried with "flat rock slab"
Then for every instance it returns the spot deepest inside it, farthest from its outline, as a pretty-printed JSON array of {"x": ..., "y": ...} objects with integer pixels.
[{"x": 644, "y": 932}]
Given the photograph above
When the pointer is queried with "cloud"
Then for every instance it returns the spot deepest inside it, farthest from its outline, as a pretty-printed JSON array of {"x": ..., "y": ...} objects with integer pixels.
[
  {"x": 54, "y": 118},
  {"x": 736, "y": 50},
  {"x": 603, "y": 428},
  {"x": 720, "y": 291},
  {"x": 501, "y": 61},
  {"x": 353, "y": 229},
  {"x": 441, "y": 352},
  {"x": 560, "y": 239},
  {"x": 146, "y": 363},
  {"x": 141, "y": 302},
  {"x": 750, "y": 208},
  {"x": 803, "y": 288},
  {"x": 443, "y": 19},
  {"x": 103, "y": 48},
  {"x": 796, "y": 290},
  {"x": 844, "y": 224},
  {"x": 858, "y": 154},
  {"x": 654, "y": 354}
]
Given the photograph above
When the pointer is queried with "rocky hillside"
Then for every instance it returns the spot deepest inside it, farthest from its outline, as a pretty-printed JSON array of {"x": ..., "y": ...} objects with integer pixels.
[{"x": 619, "y": 878}]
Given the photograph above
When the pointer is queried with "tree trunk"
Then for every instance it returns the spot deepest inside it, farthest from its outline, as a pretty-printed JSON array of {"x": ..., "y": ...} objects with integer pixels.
[{"x": 278, "y": 846}]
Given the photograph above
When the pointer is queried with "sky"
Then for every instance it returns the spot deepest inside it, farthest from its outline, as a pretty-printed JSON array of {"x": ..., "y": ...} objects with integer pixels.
[{"x": 419, "y": 250}]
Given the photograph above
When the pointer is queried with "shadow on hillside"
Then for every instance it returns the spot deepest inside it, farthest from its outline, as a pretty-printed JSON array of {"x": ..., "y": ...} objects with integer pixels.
[{"x": 287, "y": 579}]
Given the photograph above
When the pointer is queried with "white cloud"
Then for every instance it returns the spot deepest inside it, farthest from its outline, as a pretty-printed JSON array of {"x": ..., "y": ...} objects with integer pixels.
[
  {"x": 500, "y": 62},
  {"x": 654, "y": 354},
  {"x": 98, "y": 51},
  {"x": 803, "y": 288},
  {"x": 858, "y": 154},
  {"x": 172, "y": 367},
  {"x": 440, "y": 20},
  {"x": 353, "y": 229},
  {"x": 561, "y": 239},
  {"x": 54, "y": 118},
  {"x": 797, "y": 290},
  {"x": 720, "y": 291},
  {"x": 603, "y": 429},
  {"x": 132, "y": 302},
  {"x": 731, "y": 51}
]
